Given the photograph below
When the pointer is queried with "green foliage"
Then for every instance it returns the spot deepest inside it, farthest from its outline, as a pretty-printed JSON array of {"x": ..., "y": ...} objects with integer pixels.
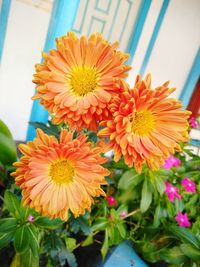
[
  {"x": 8, "y": 153},
  {"x": 142, "y": 214}
]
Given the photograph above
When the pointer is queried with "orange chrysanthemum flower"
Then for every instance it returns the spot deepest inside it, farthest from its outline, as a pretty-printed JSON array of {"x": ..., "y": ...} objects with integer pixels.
[
  {"x": 58, "y": 176},
  {"x": 76, "y": 81},
  {"x": 146, "y": 125}
]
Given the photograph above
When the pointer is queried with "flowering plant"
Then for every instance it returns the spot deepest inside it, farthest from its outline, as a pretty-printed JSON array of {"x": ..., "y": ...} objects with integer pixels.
[{"x": 75, "y": 194}]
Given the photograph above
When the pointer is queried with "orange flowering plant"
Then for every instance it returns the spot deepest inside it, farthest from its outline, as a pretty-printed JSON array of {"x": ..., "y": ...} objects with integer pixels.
[{"x": 74, "y": 192}]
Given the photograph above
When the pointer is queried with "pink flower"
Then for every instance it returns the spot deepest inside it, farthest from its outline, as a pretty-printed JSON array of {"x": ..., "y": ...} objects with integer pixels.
[
  {"x": 171, "y": 162},
  {"x": 193, "y": 122},
  {"x": 123, "y": 214},
  {"x": 30, "y": 218},
  {"x": 188, "y": 185},
  {"x": 111, "y": 201},
  {"x": 182, "y": 220},
  {"x": 171, "y": 192}
]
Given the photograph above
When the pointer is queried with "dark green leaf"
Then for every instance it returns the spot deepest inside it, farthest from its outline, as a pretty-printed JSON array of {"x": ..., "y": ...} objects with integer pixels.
[
  {"x": 49, "y": 129},
  {"x": 12, "y": 203},
  {"x": 146, "y": 196},
  {"x": 190, "y": 251},
  {"x": 21, "y": 239},
  {"x": 100, "y": 224},
  {"x": 47, "y": 223},
  {"x": 185, "y": 235},
  {"x": 64, "y": 255},
  {"x": 8, "y": 224},
  {"x": 5, "y": 238},
  {"x": 80, "y": 223}
]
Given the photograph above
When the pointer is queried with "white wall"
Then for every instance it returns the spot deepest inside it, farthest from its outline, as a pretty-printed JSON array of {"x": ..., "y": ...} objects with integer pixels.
[
  {"x": 171, "y": 58},
  {"x": 176, "y": 46},
  {"x": 26, "y": 32}
]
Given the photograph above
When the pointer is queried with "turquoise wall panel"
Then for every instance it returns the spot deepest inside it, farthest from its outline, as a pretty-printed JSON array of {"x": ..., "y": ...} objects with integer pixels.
[
  {"x": 4, "y": 14},
  {"x": 62, "y": 19}
]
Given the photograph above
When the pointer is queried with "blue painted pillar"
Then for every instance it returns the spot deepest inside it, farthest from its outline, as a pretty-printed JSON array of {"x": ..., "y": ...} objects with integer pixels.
[
  {"x": 4, "y": 13},
  {"x": 137, "y": 30},
  {"x": 191, "y": 81},
  {"x": 62, "y": 20},
  {"x": 154, "y": 36}
]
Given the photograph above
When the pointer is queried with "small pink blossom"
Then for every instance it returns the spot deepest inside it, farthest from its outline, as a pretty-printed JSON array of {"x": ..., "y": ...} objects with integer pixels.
[
  {"x": 111, "y": 201},
  {"x": 30, "y": 218},
  {"x": 172, "y": 192},
  {"x": 171, "y": 162},
  {"x": 123, "y": 214},
  {"x": 182, "y": 220},
  {"x": 193, "y": 122},
  {"x": 188, "y": 185}
]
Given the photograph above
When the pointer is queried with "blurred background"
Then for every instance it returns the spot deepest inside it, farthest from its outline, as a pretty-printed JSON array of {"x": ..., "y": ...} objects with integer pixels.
[{"x": 162, "y": 37}]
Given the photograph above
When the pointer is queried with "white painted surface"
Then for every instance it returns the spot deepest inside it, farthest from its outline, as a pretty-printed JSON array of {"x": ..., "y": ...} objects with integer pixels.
[
  {"x": 26, "y": 32},
  {"x": 114, "y": 19},
  {"x": 177, "y": 44},
  {"x": 171, "y": 58}
]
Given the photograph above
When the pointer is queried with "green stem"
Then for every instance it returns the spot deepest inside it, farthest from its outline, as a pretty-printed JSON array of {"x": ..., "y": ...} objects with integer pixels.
[{"x": 131, "y": 213}]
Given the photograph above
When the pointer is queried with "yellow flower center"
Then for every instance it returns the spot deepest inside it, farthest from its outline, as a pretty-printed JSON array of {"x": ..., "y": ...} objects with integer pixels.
[
  {"x": 143, "y": 122},
  {"x": 61, "y": 172},
  {"x": 83, "y": 80}
]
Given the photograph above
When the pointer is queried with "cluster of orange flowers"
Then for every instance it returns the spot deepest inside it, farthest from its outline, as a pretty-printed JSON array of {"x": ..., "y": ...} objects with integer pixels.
[{"x": 81, "y": 83}]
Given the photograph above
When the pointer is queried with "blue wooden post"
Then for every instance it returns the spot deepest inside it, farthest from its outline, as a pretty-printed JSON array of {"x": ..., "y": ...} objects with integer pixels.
[
  {"x": 4, "y": 13},
  {"x": 62, "y": 19},
  {"x": 191, "y": 81},
  {"x": 137, "y": 31},
  {"x": 154, "y": 36}
]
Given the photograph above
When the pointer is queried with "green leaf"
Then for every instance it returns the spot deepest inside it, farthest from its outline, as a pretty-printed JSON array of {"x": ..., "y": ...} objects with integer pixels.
[
  {"x": 191, "y": 252},
  {"x": 105, "y": 247},
  {"x": 5, "y": 238},
  {"x": 45, "y": 222},
  {"x": 8, "y": 224},
  {"x": 34, "y": 243},
  {"x": 70, "y": 243},
  {"x": 157, "y": 216},
  {"x": 179, "y": 205},
  {"x": 88, "y": 241},
  {"x": 146, "y": 196},
  {"x": 114, "y": 236},
  {"x": 5, "y": 130},
  {"x": 185, "y": 235},
  {"x": 173, "y": 256},
  {"x": 21, "y": 239},
  {"x": 24, "y": 211},
  {"x": 129, "y": 179},
  {"x": 160, "y": 185},
  {"x": 12, "y": 203},
  {"x": 122, "y": 229},
  {"x": 49, "y": 128},
  {"x": 8, "y": 153},
  {"x": 28, "y": 259},
  {"x": 100, "y": 224}
]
